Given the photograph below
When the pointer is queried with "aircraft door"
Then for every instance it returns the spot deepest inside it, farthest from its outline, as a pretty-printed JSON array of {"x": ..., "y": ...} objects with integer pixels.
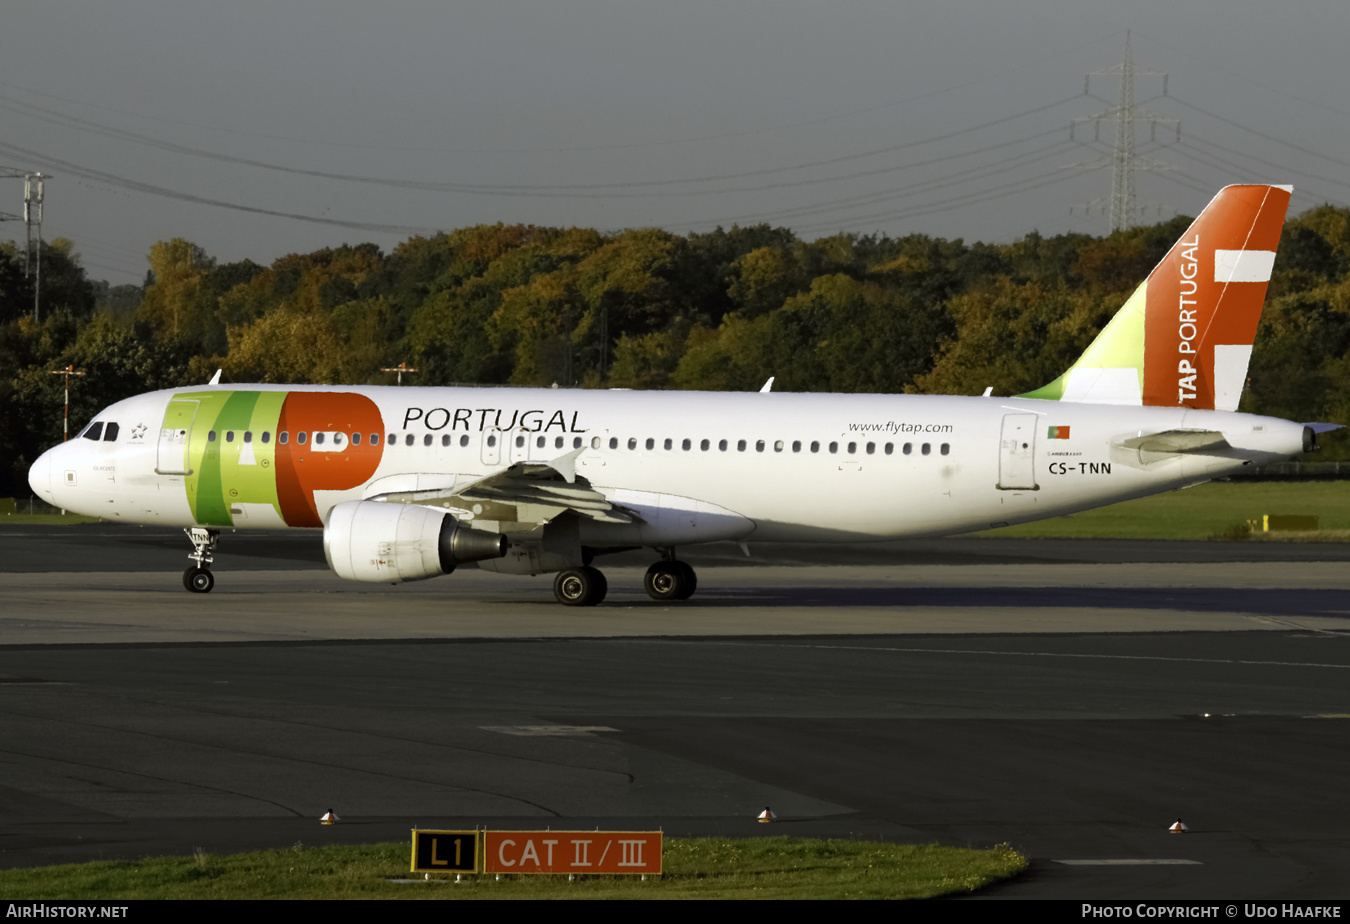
[
  {"x": 520, "y": 445},
  {"x": 492, "y": 447},
  {"x": 172, "y": 457},
  {"x": 1017, "y": 452}
]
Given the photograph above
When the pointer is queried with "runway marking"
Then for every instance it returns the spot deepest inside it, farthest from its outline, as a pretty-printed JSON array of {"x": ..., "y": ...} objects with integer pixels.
[
  {"x": 549, "y": 731},
  {"x": 1290, "y": 624},
  {"x": 1140, "y": 862},
  {"x": 1026, "y": 654}
]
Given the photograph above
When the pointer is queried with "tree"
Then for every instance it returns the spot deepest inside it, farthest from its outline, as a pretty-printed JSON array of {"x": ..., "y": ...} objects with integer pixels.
[{"x": 179, "y": 305}]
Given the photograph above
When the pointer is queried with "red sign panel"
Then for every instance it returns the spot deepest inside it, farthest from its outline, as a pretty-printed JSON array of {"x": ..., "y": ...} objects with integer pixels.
[{"x": 597, "y": 852}]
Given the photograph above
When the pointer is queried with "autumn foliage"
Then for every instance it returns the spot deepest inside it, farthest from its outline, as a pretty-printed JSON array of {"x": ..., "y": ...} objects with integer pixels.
[{"x": 643, "y": 308}]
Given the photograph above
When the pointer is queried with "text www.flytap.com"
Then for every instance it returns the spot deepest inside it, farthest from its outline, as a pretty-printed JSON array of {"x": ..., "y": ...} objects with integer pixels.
[{"x": 892, "y": 426}]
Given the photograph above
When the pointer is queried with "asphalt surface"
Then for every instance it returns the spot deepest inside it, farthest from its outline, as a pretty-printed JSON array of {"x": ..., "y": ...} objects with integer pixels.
[{"x": 1072, "y": 699}]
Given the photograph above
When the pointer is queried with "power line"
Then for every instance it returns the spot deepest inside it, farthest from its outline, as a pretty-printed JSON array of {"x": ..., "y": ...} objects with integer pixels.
[
  {"x": 981, "y": 171},
  {"x": 150, "y": 189},
  {"x": 573, "y": 190},
  {"x": 867, "y": 110}
]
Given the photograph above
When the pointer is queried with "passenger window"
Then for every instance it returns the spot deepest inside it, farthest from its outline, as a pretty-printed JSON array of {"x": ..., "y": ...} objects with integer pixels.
[
  {"x": 211, "y": 436},
  {"x": 426, "y": 440},
  {"x": 284, "y": 437},
  {"x": 374, "y": 439},
  {"x": 871, "y": 448},
  {"x": 796, "y": 445},
  {"x": 94, "y": 431},
  {"x": 740, "y": 445},
  {"x": 339, "y": 439},
  {"x": 318, "y": 437},
  {"x": 110, "y": 433},
  {"x": 853, "y": 449},
  {"x": 464, "y": 440},
  {"x": 722, "y": 445},
  {"x": 445, "y": 439},
  {"x": 248, "y": 436},
  {"x": 668, "y": 443},
  {"x": 703, "y": 445},
  {"x": 834, "y": 447},
  {"x": 778, "y": 446},
  {"x": 890, "y": 448},
  {"x": 759, "y": 445},
  {"x": 393, "y": 439},
  {"x": 946, "y": 448},
  {"x": 595, "y": 442},
  {"x": 927, "y": 448},
  {"x": 558, "y": 443},
  {"x": 632, "y": 442},
  {"x": 815, "y": 446},
  {"x": 520, "y": 442},
  {"x": 491, "y": 441},
  {"x": 356, "y": 439},
  {"x": 613, "y": 442},
  {"x": 540, "y": 442},
  {"x": 266, "y": 437},
  {"x": 302, "y": 436},
  {"x": 909, "y": 447},
  {"x": 576, "y": 442},
  {"x": 651, "y": 443},
  {"x": 229, "y": 436},
  {"x": 408, "y": 439},
  {"x": 685, "y": 444}
]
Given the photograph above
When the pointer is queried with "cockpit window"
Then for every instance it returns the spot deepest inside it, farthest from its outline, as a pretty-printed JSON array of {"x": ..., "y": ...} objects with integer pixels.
[
  {"x": 110, "y": 433},
  {"x": 94, "y": 431}
]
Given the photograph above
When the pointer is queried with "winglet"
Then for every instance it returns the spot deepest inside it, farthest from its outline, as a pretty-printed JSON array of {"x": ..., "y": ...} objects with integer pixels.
[{"x": 1183, "y": 339}]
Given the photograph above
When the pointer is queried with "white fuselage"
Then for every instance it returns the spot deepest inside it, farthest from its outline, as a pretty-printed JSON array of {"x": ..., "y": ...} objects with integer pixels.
[{"x": 767, "y": 467}]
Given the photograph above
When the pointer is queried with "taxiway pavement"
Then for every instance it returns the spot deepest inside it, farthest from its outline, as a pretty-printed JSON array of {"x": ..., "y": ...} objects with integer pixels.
[{"x": 1071, "y": 699}]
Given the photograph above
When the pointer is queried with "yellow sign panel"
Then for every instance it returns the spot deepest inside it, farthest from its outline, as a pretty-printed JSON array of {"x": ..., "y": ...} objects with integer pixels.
[{"x": 444, "y": 851}]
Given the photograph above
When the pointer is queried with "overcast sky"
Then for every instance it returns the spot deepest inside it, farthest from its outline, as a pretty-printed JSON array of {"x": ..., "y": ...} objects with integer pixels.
[{"x": 374, "y": 121}]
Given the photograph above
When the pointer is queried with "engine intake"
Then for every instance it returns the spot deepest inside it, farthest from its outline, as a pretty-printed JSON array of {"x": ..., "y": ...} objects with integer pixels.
[{"x": 376, "y": 541}]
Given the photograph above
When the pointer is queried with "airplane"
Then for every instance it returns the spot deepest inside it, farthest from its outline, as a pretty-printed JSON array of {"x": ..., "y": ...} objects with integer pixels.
[{"x": 409, "y": 483}]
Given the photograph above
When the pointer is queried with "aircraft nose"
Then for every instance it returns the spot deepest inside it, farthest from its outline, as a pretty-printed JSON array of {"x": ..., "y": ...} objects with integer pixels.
[{"x": 40, "y": 477}]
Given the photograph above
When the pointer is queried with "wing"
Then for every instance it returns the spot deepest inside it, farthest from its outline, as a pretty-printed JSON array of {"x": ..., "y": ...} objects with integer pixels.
[{"x": 521, "y": 497}]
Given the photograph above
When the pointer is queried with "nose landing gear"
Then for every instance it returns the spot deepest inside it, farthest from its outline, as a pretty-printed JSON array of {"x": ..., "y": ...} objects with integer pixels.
[{"x": 198, "y": 578}]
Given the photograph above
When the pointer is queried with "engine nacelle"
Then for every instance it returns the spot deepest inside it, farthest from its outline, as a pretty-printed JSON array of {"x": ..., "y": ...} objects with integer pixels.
[{"x": 375, "y": 541}]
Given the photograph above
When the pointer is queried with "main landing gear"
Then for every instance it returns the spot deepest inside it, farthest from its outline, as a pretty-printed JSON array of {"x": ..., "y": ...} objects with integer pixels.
[
  {"x": 584, "y": 586},
  {"x": 198, "y": 578},
  {"x": 666, "y": 580},
  {"x": 670, "y": 580}
]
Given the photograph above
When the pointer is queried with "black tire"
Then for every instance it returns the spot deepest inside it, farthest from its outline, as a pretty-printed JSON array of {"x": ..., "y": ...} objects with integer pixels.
[
  {"x": 198, "y": 580},
  {"x": 689, "y": 582},
  {"x": 662, "y": 581},
  {"x": 670, "y": 580},
  {"x": 584, "y": 586}
]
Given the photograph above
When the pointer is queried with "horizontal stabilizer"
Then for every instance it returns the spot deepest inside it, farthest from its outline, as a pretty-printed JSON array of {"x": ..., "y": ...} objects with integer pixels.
[
  {"x": 1323, "y": 427},
  {"x": 1176, "y": 441}
]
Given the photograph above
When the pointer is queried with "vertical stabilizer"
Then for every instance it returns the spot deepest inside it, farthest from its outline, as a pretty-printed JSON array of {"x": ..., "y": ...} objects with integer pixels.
[{"x": 1184, "y": 337}]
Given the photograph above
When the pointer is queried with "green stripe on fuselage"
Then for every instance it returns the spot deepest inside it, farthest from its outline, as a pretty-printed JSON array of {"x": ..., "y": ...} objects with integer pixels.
[{"x": 226, "y": 472}]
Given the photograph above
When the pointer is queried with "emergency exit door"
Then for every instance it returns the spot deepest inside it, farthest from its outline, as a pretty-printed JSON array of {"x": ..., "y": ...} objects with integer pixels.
[{"x": 1017, "y": 452}]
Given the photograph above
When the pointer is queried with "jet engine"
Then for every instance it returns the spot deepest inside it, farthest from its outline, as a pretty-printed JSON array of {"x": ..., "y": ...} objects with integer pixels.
[{"x": 376, "y": 541}]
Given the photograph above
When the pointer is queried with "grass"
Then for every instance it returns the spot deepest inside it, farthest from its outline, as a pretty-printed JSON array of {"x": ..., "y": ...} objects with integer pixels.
[
  {"x": 1210, "y": 511},
  {"x": 46, "y": 519},
  {"x": 1217, "y": 510},
  {"x": 702, "y": 868}
]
